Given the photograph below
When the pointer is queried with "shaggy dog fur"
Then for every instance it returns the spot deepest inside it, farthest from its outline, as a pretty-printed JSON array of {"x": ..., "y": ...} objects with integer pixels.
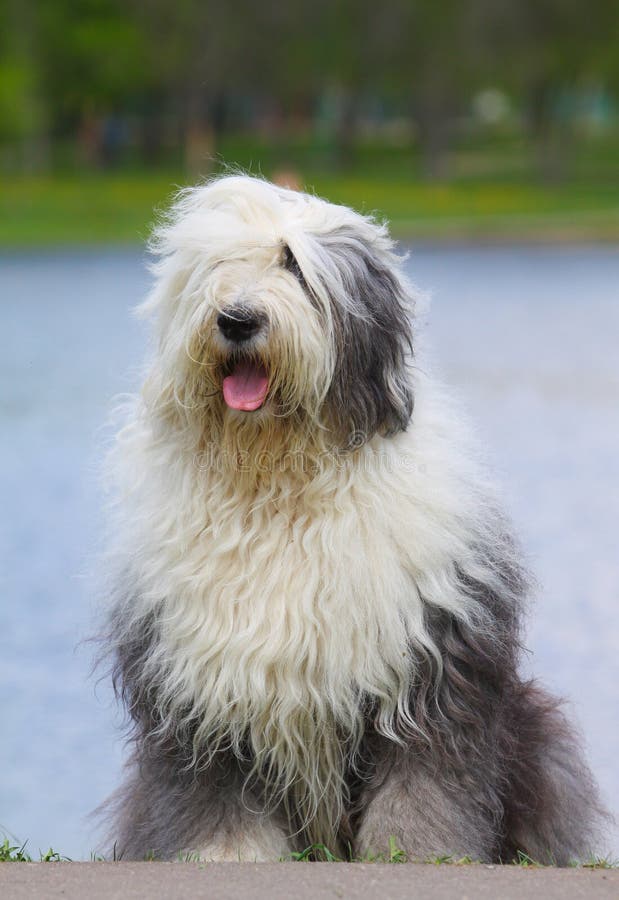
[{"x": 316, "y": 602}]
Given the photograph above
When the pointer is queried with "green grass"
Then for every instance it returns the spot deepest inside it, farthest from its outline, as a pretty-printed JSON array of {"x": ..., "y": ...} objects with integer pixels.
[
  {"x": 321, "y": 853},
  {"x": 599, "y": 862},
  {"x": 493, "y": 193},
  {"x": 120, "y": 208},
  {"x": 69, "y": 209},
  {"x": 15, "y": 853}
]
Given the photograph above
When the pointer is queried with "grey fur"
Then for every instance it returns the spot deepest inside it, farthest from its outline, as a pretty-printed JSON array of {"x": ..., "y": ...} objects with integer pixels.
[
  {"x": 498, "y": 769},
  {"x": 370, "y": 391},
  {"x": 165, "y": 809},
  {"x": 170, "y": 802},
  {"x": 494, "y": 769}
]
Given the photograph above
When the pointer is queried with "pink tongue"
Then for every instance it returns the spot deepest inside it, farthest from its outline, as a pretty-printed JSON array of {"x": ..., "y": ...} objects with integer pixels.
[{"x": 247, "y": 387}]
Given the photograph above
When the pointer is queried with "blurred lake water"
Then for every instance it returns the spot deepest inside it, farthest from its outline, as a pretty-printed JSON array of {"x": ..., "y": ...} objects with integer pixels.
[{"x": 528, "y": 337}]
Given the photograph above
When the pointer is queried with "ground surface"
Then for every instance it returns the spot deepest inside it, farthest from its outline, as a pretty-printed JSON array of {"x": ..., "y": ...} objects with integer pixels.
[{"x": 301, "y": 881}]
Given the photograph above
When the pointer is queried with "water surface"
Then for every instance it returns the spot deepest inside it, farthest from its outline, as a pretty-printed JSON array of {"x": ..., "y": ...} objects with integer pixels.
[{"x": 527, "y": 337}]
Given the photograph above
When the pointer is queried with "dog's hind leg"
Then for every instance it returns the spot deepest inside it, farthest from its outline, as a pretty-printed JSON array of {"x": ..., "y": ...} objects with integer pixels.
[
  {"x": 532, "y": 795},
  {"x": 166, "y": 812},
  {"x": 552, "y": 810}
]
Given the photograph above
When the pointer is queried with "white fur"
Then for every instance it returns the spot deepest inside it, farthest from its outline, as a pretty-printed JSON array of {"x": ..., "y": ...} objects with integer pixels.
[
  {"x": 254, "y": 839},
  {"x": 291, "y": 579}
]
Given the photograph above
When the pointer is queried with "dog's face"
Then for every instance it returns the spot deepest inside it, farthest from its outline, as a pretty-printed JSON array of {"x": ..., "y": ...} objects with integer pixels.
[{"x": 277, "y": 306}]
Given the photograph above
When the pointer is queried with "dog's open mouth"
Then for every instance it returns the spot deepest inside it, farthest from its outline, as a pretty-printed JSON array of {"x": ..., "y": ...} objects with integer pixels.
[{"x": 246, "y": 386}]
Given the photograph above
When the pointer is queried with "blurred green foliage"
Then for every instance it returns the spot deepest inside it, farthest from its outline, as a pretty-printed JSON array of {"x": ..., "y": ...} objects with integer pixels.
[
  {"x": 164, "y": 71},
  {"x": 501, "y": 204},
  {"x": 497, "y": 101}
]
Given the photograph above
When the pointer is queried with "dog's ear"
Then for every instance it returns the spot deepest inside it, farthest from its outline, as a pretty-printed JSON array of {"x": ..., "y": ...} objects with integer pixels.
[{"x": 371, "y": 387}]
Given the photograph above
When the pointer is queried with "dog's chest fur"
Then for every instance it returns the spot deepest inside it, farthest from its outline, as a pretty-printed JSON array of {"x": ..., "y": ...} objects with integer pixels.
[
  {"x": 288, "y": 603},
  {"x": 284, "y": 610},
  {"x": 283, "y": 607},
  {"x": 282, "y": 613}
]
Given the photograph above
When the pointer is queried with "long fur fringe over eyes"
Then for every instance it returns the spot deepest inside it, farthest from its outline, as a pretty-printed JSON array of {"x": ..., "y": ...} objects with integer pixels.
[{"x": 315, "y": 606}]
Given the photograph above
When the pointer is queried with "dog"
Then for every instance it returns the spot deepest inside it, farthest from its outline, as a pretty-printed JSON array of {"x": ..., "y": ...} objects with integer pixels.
[{"x": 316, "y": 600}]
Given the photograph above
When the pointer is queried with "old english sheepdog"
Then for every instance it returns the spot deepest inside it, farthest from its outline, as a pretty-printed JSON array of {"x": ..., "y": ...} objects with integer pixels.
[{"x": 316, "y": 601}]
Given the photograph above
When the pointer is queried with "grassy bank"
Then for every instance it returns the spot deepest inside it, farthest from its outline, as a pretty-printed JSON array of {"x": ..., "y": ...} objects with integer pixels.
[
  {"x": 493, "y": 193},
  {"x": 10, "y": 851},
  {"x": 119, "y": 208}
]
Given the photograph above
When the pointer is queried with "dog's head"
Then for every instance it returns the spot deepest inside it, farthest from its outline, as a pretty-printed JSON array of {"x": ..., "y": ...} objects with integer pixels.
[{"x": 275, "y": 305}]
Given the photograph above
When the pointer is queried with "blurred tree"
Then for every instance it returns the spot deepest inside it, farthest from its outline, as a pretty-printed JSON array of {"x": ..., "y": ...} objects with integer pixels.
[
  {"x": 422, "y": 48},
  {"x": 426, "y": 56},
  {"x": 87, "y": 68},
  {"x": 22, "y": 109},
  {"x": 92, "y": 61},
  {"x": 544, "y": 50},
  {"x": 192, "y": 52}
]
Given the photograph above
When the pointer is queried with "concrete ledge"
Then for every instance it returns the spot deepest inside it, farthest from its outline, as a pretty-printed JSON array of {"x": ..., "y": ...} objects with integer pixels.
[{"x": 298, "y": 881}]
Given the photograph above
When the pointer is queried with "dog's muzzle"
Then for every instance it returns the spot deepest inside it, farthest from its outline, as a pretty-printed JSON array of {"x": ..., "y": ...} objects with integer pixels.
[
  {"x": 246, "y": 385},
  {"x": 239, "y": 324}
]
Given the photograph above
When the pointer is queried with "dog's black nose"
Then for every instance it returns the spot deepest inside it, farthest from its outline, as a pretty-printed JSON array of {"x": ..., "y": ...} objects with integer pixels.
[{"x": 239, "y": 323}]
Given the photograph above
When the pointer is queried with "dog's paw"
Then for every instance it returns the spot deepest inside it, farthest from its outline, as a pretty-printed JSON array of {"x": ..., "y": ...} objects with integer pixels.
[{"x": 268, "y": 845}]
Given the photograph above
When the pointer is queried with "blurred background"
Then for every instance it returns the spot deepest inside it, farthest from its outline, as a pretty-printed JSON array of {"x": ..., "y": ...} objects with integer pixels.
[
  {"x": 465, "y": 117},
  {"x": 486, "y": 131}
]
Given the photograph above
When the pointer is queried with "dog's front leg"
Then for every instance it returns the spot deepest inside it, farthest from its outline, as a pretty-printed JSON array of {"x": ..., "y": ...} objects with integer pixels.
[
  {"x": 242, "y": 836},
  {"x": 424, "y": 815},
  {"x": 167, "y": 811}
]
